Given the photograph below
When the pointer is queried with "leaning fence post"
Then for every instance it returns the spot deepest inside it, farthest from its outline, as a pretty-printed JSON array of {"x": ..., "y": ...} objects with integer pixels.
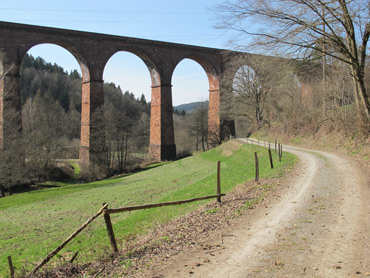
[
  {"x": 219, "y": 181},
  {"x": 271, "y": 163},
  {"x": 11, "y": 267},
  {"x": 257, "y": 166},
  {"x": 110, "y": 231}
]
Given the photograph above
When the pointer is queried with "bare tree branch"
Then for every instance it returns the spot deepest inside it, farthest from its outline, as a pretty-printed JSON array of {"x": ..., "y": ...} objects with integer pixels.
[{"x": 300, "y": 28}]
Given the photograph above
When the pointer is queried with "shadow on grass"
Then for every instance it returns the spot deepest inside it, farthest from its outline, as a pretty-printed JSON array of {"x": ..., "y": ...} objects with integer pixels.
[
  {"x": 27, "y": 188},
  {"x": 74, "y": 181}
]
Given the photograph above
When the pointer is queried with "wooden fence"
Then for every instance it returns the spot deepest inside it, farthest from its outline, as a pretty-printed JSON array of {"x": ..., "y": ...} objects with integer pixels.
[
  {"x": 106, "y": 212},
  {"x": 278, "y": 147}
]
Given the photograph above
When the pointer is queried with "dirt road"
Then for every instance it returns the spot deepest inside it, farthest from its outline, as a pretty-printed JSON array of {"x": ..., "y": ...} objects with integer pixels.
[{"x": 316, "y": 226}]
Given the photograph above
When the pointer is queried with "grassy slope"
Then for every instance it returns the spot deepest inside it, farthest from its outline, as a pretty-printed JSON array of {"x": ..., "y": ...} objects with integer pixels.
[{"x": 33, "y": 223}]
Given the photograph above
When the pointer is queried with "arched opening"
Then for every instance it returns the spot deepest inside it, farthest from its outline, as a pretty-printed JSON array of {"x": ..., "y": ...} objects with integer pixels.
[
  {"x": 50, "y": 86},
  {"x": 127, "y": 94},
  {"x": 190, "y": 94},
  {"x": 248, "y": 100},
  {"x": 262, "y": 88}
]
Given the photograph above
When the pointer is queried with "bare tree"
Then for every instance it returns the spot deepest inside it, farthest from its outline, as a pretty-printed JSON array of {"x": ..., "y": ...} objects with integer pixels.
[
  {"x": 249, "y": 95},
  {"x": 339, "y": 98},
  {"x": 12, "y": 168},
  {"x": 44, "y": 129},
  {"x": 199, "y": 126},
  {"x": 257, "y": 85},
  {"x": 336, "y": 28},
  {"x": 12, "y": 164},
  {"x": 127, "y": 128},
  {"x": 183, "y": 135}
]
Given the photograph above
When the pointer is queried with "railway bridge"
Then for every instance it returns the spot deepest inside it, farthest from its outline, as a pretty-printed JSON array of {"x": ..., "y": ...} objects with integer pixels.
[{"x": 92, "y": 51}]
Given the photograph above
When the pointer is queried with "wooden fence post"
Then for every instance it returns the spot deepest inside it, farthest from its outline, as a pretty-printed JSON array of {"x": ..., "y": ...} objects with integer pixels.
[
  {"x": 110, "y": 231},
  {"x": 279, "y": 153},
  {"x": 271, "y": 163},
  {"x": 281, "y": 150},
  {"x": 257, "y": 166},
  {"x": 11, "y": 267},
  {"x": 275, "y": 145},
  {"x": 219, "y": 181}
]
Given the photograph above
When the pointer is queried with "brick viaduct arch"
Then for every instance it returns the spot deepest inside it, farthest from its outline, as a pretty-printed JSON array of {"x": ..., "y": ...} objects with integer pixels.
[{"x": 92, "y": 51}]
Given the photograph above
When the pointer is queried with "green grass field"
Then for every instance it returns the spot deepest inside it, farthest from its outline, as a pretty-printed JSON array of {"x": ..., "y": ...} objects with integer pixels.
[{"x": 32, "y": 224}]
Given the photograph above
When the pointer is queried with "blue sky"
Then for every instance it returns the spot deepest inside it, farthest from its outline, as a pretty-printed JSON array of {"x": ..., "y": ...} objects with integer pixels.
[{"x": 187, "y": 22}]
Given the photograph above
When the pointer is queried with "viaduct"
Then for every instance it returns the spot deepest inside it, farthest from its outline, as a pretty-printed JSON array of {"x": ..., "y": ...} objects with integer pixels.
[{"x": 92, "y": 51}]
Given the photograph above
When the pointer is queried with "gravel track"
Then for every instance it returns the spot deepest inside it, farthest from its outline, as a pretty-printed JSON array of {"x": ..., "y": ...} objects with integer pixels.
[{"x": 318, "y": 225}]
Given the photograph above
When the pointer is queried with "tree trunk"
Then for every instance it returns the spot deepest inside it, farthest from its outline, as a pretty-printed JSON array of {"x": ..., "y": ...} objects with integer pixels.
[
  {"x": 362, "y": 101},
  {"x": 112, "y": 155},
  {"x": 126, "y": 150},
  {"x": 203, "y": 144},
  {"x": 365, "y": 111}
]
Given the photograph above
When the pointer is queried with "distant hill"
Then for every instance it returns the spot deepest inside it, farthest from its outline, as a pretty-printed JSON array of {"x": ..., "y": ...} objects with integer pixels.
[{"x": 188, "y": 106}]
